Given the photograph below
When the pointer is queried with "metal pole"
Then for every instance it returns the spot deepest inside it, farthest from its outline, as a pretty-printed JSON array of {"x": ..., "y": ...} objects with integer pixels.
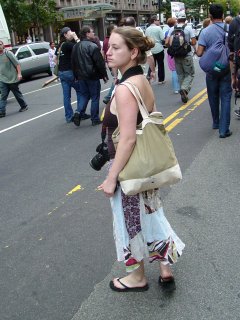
[{"x": 159, "y": 10}]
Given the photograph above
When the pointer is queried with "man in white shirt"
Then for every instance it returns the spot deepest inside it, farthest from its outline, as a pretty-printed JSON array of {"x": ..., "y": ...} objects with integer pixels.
[{"x": 155, "y": 32}]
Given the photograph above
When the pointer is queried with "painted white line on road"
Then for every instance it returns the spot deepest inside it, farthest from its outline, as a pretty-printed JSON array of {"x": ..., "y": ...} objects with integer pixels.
[
  {"x": 24, "y": 94},
  {"x": 40, "y": 116},
  {"x": 29, "y": 120},
  {"x": 54, "y": 85}
]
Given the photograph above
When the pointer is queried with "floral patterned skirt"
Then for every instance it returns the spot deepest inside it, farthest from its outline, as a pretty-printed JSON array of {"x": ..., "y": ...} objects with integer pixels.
[{"x": 142, "y": 230}]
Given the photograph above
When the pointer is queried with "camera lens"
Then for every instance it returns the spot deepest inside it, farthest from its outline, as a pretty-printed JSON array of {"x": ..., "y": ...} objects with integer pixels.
[{"x": 97, "y": 162}]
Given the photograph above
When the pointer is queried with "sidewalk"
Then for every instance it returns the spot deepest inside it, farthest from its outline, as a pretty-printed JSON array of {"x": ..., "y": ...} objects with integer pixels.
[{"x": 204, "y": 211}]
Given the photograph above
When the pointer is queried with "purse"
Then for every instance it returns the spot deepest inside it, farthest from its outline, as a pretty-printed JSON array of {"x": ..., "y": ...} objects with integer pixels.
[{"x": 153, "y": 163}]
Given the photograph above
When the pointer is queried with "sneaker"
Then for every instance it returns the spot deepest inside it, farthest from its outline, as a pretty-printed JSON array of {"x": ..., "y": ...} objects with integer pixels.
[
  {"x": 2, "y": 114},
  {"x": 161, "y": 82},
  {"x": 85, "y": 116},
  {"x": 76, "y": 119},
  {"x": 22, "y": 109},
  {"x": 184, "y": 95},
  {"x": 69, "y": 120},
  {"x": 176, "y": 91},
  {"x": 96, "y": 122},
  {"x": 226, "y": 135},
  {"x": 237, "y": 113}
]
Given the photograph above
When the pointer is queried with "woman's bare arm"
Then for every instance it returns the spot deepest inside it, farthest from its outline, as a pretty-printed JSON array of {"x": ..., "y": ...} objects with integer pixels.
[{"x": 127, "y": 110}]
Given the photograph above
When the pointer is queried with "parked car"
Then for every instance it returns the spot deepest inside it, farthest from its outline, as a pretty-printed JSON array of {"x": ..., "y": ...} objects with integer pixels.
[
  {"x": 33, "y": 58},
  {"x": 198, "y": 30}
]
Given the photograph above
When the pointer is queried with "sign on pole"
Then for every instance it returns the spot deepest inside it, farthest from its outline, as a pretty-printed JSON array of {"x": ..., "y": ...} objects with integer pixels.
[{"x": 176, "y": 8}]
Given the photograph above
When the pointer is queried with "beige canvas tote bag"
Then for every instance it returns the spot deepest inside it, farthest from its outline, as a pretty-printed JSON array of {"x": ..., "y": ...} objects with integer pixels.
[{"x": 153, "y": 163}]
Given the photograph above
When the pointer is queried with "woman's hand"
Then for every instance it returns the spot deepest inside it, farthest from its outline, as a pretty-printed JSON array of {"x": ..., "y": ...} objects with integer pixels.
[{"x": 108, "y": 187}]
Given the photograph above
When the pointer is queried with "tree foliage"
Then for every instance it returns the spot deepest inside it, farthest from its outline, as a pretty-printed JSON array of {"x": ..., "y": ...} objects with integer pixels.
[
  {"x": 199, "y": 9},
  {"x": 22, "y": 15},
  {"x": 193, "y": 7}
]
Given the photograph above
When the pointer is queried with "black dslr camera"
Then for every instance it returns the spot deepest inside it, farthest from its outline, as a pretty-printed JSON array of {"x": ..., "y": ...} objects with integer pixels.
[{"x": 102, "y": 156}]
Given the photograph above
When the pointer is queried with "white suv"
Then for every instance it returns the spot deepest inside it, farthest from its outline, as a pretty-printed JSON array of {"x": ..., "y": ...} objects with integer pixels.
[{"x": 33, "y": 58}]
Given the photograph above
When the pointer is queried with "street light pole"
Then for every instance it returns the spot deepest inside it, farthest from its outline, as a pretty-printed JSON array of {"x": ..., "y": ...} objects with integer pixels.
[{"x": 159, "y": 10}]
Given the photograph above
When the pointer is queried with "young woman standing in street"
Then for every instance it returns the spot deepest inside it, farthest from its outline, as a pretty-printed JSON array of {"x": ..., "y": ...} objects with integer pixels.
[{"x": 140, "y": 227}]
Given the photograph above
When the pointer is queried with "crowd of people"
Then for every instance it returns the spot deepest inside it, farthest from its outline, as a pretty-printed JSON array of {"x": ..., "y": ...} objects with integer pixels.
[
  {"x": 85, "y": 76},
  {"x": 140, "y": 226}
]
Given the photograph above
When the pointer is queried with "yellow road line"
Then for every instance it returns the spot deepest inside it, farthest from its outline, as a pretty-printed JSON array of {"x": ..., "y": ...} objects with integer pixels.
[
  {"x": 189, "y": 110},
  {"x": 77, "y": 188},
  {"x": 174, "y": 124},
  {"x": 183, "y": 107}
]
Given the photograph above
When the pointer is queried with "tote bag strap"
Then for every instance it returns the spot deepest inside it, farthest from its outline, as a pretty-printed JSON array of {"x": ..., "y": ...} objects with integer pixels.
[{"x": 136, "y": 93}]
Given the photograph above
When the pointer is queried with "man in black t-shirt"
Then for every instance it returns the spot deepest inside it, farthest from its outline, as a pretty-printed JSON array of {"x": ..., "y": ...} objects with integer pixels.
[{"x": 63, "y": 57}]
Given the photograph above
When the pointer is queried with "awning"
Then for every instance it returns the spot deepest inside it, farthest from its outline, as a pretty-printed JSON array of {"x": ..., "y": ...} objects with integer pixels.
[{"x": 90, "y": 11}]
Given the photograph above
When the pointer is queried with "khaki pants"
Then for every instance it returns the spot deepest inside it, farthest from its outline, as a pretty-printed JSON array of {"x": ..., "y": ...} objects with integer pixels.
[{"x": 185, "y": 71}]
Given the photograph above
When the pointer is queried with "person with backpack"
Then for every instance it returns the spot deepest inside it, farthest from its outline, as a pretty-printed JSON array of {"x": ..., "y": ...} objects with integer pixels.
[
  {"x": 234, "y": 47},
  {"x": 179, "y": 40},
  {"x": 213, "y": 50},
  {"x": 10, "y": 76},
  {"x": 170, "y": 60}
]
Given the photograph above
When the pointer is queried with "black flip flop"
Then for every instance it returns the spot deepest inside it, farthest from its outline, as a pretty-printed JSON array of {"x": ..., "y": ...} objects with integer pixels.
[
  {"x": 167, "y": 284},
  {"x": 126, "y": 288}
]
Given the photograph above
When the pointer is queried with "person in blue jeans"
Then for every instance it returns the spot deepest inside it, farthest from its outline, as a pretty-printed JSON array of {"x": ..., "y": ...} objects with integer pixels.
[
  {"x": 63, "y": 58},
  {"x": 89, "y": 67},
  {"x": 218, "y": 87},
  {"x": 68, "y": 82}
]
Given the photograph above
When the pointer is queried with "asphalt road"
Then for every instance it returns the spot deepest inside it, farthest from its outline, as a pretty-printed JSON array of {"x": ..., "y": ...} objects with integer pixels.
[{"x": 56, "y": 248}]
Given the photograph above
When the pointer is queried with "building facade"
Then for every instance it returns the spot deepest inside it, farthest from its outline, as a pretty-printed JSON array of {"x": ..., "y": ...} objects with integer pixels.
[{"x": 100, "y": 13}]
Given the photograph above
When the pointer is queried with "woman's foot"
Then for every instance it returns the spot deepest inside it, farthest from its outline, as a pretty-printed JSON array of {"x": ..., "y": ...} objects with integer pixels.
[
  {"x": 130, "y": 282},
  {"x": 167, "y": 284},
  {"x": 119, "y": 286},
  {"x": 166, "y": 279},
  {"x": 165, "y": 271}
]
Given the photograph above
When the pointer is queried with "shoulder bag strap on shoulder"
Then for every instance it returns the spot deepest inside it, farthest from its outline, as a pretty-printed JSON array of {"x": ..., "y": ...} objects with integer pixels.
[
  {"x": 10, "y": 59},
  {"x": 136, "y": 93},
  {"x": 224, "y": 28}
]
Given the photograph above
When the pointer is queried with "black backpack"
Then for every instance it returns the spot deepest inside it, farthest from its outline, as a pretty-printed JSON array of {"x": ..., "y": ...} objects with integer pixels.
[{"x": 178, "y": 46}]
